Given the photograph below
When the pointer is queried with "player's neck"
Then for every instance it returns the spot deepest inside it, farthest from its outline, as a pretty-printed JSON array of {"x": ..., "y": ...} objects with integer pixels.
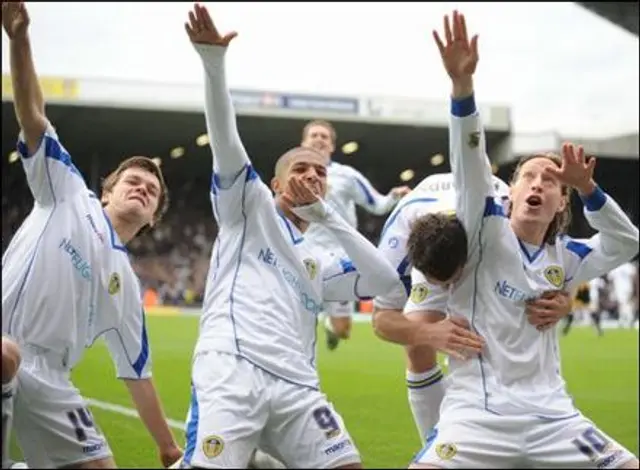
[
  {"x": 125, "y": 230},
  {"x": 301, "y": 225},
  {"x": 529, "y": 232}
]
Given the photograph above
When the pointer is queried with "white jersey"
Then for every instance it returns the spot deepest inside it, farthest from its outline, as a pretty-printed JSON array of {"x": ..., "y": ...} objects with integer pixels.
[
  {"x": 66, "y": 277},
  {"x": 266, "y": 285},
  {"x": 346, "y": 188},
  {"x": 622, "y": 279},
  {"x": 433, "y": 194},
  {"x": 519, "y": 369}
]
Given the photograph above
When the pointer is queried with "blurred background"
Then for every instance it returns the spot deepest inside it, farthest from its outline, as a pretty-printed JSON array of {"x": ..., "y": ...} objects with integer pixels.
[{"x": 131, "y": 83}]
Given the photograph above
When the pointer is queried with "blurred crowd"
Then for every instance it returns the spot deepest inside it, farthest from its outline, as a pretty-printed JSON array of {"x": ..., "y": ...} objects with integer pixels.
[{"x": 172, "y": 260}]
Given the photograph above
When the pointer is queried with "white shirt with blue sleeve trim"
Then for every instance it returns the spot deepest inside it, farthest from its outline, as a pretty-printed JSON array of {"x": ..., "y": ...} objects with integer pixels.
[
  {"x": 519, "y": 369},
  {"x": 66, "y": 277}
]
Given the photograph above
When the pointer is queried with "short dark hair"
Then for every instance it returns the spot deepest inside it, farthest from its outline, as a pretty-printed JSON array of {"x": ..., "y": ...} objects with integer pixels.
[{"x": 437, "y": 245}]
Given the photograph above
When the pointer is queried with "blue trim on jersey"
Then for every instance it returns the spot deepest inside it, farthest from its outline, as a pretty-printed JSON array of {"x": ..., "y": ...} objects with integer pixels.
[
  {"x": 33, "y": 255},
  {"x": 530, "y": 257},
  {"x": 594, "y": 201},
  {"x": 347, "y": 265},
  {"x": 53, "y": 150},
  {"x": 402, "y": 274},
  {"x": 225, "y": 182},
  {"x": 368, "y": 196},
  {"x": 463, "y": 107},
  {"x": 427, "y": 444},
  {"x": 112, "y": 234},
  {"x": 273, "y": 374},
  {"x": 191, "y": 433},
  {"x": 580, "y": 249},
  {"x": 489, "y": 205},
  {"x": 394, "y": 215},
  {"x": 251, "y": 175},
  {"x": 491, "y": 209},
  {"x": 141, "y": 361},
  {"x": 288, "y": 223}
]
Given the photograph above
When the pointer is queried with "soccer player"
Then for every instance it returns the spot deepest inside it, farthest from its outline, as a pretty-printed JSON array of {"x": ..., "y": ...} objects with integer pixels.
[
  {"x": 10, "y": 364},
  {"x": 254, "y": 377},
  {"x": 421, "y": 225},
  {"x": 347, "y": 188},
  {"x": 622, "y": 279},
  {"x": 508, "y": 406},
  {"x": 67, "y": 279},
  {"x": 585, "y": 303}
]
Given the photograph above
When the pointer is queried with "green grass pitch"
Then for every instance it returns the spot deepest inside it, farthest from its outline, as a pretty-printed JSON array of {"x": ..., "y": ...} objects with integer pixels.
[{"x": 364, "y": 378}]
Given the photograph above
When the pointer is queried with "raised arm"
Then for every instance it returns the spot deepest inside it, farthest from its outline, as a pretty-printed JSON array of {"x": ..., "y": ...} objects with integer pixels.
[
  {"x": 617, "y": 239},
  {"x": 469, "y": 163},
  {"x": 51, "y": 175},
  {"x": 232, "y": 171}
]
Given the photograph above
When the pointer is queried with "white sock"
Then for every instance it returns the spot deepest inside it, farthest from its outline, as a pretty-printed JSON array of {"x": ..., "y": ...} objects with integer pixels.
[
  {"x": 261, "y": 459},
  {"x": 328, "y": 325},
  {"x": 426, "y": 390}
]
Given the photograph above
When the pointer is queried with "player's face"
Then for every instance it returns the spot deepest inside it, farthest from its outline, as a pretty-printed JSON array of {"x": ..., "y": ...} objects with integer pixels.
[
  {"x": 536, "y": 197},
  {"x": 312, "y": 169},
  {"x": 136, "y": 195},
  {"x": 319, "y": 138}
]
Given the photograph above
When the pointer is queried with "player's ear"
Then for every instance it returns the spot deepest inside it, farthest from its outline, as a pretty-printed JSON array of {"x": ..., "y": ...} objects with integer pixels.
[{"x": 276, "y": 187}]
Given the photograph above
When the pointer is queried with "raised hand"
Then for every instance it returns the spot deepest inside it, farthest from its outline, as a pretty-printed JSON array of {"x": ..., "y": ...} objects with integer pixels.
[
  {"x": 299, "y": 193},
  {"x": 201, "y": 29},
  {"x": 459, "y": 54},
  {"x": 15, "y": 19},
  {"x": 576, "y": 170}
]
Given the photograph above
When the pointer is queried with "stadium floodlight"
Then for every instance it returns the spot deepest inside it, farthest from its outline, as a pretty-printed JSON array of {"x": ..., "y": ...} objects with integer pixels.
[
  {"x": 202, "y": 140},
  {"x": 177, "y": 152},
  {"x": 14, "y": 157},
  {"x": 157, "y": 161},
  {"x": 407, "y": 175},
  {"x": 437, "y": 159},
  {"x": 350, "y": 147}
]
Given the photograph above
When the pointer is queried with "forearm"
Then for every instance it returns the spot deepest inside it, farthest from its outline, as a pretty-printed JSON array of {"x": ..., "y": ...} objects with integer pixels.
[
  {"x": 393, "y": 326},
  {"x": 229, "y": 154},
  {"x": 617, "y": 235},
  {"x": 382, "y": 205},
  {"x": 27, "y": 94},
  {"x": 147, "y": 402},
  {"x": 377, "y": 275}
]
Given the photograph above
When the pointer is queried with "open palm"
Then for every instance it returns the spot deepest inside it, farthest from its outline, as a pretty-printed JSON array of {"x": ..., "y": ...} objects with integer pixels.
[
  {"x": 201, "y": 29},
  {"x": 459, "y": 54},
  {"x": 15, "y": 19}
]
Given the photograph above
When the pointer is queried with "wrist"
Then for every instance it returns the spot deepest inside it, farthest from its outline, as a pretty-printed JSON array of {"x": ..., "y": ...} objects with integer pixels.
[
  {"x": 586, "y": 189},
  {"x": 462, "y": 88}
]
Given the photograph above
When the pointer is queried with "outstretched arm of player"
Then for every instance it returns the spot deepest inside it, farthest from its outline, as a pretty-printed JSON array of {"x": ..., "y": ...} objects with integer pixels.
[
  {"x": 617, "y": 239},
  {"x": 229, "y": 155},
  {"x": 469, "y": 163},
  {"x": 50, "y": 173},
  {"x": 367, "y": 197},
  {"x": 129, "y": 348},
  {"x": 147, "y": 402}
]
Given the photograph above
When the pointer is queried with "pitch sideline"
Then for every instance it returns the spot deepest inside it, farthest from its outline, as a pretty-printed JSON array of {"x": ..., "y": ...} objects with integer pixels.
[{"x": 130, "y": 412}]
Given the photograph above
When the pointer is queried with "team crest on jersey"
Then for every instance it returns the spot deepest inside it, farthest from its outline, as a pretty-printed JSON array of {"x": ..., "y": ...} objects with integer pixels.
[
  {"x": 555, "y": 275},
  {"x": 419, "y": 292},
  {"x": 446, "y": 451},
  {"x": 114, "y": 284},
  {"x": 212, "y": 446},
  {"x": 312, "y": 267},
  {"x": 474, "y": 139},
  {"x": 450, "y": 212}
]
